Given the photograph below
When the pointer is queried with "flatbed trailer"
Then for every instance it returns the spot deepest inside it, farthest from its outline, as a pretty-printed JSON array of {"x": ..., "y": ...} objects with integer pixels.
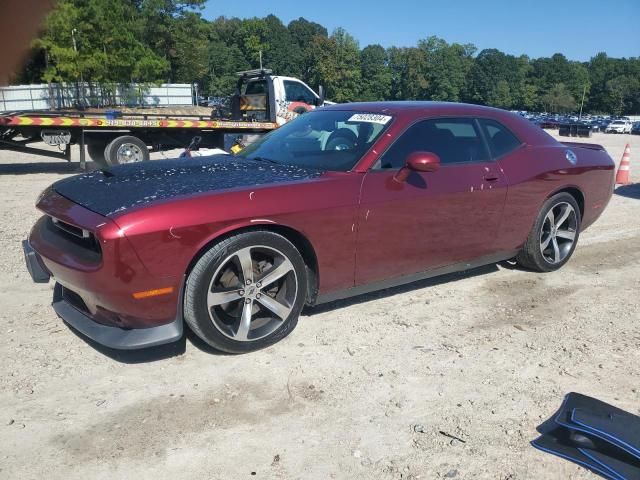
[
  {"x": 260, "y": 104},
  {"x": 109, "y": 139}
]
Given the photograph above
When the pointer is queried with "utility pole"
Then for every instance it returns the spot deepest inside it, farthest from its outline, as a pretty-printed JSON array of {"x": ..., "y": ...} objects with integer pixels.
[
  {"x": 75, "y": 49},
  {"x": 584, "y": 91}
]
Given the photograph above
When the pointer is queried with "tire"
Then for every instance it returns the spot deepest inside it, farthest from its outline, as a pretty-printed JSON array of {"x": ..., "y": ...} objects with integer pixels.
[
  {"x": 126, "y": 149},
  {"x": 559, "y": 236},
  {"x": 96, "y": 153},
  {"x": 217, "y": 296},
  {"x": 341, "y": 139}
]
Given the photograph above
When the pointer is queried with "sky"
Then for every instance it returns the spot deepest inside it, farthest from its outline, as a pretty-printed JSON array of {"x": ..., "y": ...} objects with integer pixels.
[{"x": 538, "y": 28}]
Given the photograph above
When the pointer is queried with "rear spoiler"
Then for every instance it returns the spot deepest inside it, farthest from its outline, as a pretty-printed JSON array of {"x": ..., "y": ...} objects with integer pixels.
[{"x": 590, "y": 146}]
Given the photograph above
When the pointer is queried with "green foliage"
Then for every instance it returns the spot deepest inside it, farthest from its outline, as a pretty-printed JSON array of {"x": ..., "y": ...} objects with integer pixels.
[
  {"x": 623, "y": 94},
  {"x": 446, "y": 67},
  {"x": 122, "y": 40},
  {"x": 337, "y": 65},
  {"x": 168, "y": 40},
  {"x": 559, "y": 99},
  {"x": 376, "y": 76}
]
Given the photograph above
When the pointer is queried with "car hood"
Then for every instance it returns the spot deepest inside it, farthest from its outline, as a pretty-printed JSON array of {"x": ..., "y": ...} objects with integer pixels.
[{"x": 118, "y": 189}]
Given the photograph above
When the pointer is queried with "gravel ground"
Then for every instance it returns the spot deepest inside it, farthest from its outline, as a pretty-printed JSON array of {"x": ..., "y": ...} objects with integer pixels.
[{"x": 375, "y": 387}]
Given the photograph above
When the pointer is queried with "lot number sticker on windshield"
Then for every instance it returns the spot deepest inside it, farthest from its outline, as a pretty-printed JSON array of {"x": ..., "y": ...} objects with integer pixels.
[{"x": 370, "y": 118}]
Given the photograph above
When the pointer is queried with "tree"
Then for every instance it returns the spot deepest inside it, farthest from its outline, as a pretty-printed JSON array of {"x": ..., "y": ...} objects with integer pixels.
[
  {"x": 303, "y": 33},
  {"x": 108, "y": 46},
  {"x": 408, "y": 79},
  {"x": 446, "y": 67},
  {"x": 490, "y": 67},
  {"x": 283, "y": 54},
  {"x": 337, "y": 65},
  {"x": 559, "y": 99},
  {"x": 500, "y": 95},
  {"x": 160, "y": 32},
  {"x": 623, "y": 94},
  {"x": 375, "y": 74},
  {"x": 191, "y": 50}
]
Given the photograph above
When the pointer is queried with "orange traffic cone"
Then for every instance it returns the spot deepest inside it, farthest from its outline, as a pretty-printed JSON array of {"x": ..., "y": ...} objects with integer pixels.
[{"x": 622, "y": 177}]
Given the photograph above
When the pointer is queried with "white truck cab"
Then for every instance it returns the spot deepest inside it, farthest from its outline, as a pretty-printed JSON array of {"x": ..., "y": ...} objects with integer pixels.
[{"x": 261, "y": 96}]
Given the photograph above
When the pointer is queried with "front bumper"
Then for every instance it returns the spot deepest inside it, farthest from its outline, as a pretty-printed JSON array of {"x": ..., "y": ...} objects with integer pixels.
[
  {"x": 89, "y": 318},
  {"x": 114, "y": 337}
]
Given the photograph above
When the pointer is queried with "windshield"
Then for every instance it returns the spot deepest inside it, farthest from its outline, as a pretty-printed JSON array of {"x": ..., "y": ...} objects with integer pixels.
[{"x": 323, "y": 139}]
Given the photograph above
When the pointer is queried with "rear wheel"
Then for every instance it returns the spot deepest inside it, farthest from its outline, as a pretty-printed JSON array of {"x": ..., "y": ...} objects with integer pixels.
[
  {"x": 554, "y": 235},
  {"x": 246, "y": 292},
  {"x": 126, "y": 149}
]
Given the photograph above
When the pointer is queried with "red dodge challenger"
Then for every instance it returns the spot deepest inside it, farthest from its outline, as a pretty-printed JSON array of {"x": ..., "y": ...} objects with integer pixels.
[{"x": 344, "y": 200}]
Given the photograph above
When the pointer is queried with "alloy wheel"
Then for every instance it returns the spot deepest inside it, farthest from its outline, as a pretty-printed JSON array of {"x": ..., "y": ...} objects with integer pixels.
[
  {"x": 251, "y": 293},
  {"x": 558, "y": 232}
]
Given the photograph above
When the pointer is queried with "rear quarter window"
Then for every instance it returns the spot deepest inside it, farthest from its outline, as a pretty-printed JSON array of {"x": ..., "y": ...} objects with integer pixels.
[{"x": 500, "y": 139}]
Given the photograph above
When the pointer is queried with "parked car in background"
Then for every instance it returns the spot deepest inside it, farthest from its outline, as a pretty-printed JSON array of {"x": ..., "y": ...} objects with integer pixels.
[
  {"x": 343, "y": 200},
  {"x": 635, "y": 129},
  {"x": 619, "y": 126}
]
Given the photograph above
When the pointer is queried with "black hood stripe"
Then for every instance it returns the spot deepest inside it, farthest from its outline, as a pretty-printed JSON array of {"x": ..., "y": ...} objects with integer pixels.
[{"x": 124, "y": 187}]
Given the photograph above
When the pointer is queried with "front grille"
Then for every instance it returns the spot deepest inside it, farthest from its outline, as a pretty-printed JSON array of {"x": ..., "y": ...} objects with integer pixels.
[
  {"x": 71, "y": 229},
  {"x": 75, "y": 236}
]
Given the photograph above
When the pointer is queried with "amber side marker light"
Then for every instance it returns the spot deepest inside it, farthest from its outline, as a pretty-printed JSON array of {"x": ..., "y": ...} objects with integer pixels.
[{"x": 153, "y": 293}]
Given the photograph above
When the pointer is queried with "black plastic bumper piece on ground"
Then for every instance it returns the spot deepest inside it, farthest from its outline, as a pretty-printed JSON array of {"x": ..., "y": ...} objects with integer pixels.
[
  {"x": 595, "y": 435},
  {"x": 599, "y": 419},
  {"x": 36, "y": 268},
  {"x": 557, "y": 442},
  {"x": 114, "y": 337}
]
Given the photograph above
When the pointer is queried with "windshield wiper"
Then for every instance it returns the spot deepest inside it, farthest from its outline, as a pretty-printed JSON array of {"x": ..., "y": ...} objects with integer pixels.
[{"x": 264, "y": 159}]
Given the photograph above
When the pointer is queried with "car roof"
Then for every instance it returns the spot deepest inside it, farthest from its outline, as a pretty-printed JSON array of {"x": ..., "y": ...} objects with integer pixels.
[
  {"x": 414, "y": 110},
  {"x": 399, "y": 107}
]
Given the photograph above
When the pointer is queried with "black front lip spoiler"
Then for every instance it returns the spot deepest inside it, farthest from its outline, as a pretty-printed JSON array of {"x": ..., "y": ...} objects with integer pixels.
[
  {"x": 114, "y": 337},
  {"x": 37, "y": 270}
]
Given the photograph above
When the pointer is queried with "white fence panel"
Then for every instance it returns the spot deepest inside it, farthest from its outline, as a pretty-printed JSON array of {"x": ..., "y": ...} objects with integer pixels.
[
  {"x": 54, "y": 95},
  {"x": 24, "y": 97}
]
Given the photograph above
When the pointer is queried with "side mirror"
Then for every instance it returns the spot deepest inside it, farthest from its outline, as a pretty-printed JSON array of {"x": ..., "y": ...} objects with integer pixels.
[
  {"x": 418, "y": 162},
  {"x": 320, "y": 99}
]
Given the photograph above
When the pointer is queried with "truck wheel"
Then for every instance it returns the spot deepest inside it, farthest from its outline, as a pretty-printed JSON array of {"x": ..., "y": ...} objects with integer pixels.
[
  {"x": 96, "y": 153},
  {"x": 126, "y": 149}
]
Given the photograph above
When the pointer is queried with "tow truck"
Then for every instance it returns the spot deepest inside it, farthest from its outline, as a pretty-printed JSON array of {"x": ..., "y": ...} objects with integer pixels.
[{"x": 261, "y": 103}]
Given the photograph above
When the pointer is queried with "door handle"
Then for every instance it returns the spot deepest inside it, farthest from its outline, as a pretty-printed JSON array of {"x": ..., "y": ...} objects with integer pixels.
[{"x": 491, "y": 178}]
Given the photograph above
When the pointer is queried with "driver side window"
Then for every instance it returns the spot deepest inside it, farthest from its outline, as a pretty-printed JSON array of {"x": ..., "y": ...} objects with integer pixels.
[
  {"x": 297, "y": 92},
  {"x": 454, "y": 140}
]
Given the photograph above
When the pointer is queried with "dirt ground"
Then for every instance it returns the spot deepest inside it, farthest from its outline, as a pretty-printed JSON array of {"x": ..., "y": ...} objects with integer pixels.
[{"x": 375, "y": 387}]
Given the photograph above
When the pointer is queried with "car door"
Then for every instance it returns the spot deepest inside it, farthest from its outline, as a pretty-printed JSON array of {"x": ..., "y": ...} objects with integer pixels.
[{"x": 435, "y": 218}]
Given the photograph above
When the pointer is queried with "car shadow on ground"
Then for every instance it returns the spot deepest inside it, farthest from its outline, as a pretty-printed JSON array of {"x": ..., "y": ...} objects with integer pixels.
[
  {"x": 163, "y": 352},
  {"x": 629, "y": 191},
  {"x": 44, "y": 167},
  {"x": 379, "y": 294}
]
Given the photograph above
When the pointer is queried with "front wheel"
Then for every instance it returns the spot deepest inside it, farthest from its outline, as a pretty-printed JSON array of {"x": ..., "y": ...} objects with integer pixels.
[
  {"x": 246, "y": 292},
  {"x": 554, "y": 235}
]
